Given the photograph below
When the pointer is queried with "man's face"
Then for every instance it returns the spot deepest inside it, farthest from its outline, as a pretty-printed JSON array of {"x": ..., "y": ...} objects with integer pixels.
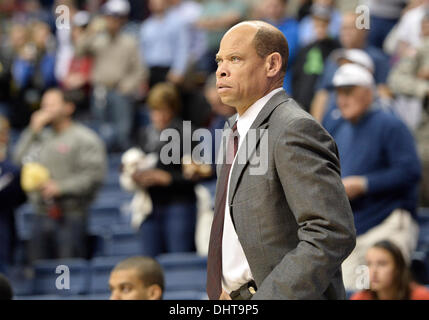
[
  {"x": 126, "y": 285},
  {"x": 241, "y": 73},
  {"x": 320, "y": 28},
  {"x": 53, "y": 104},
  {"x": 381, "y": 268},
  {"x": 353, "y": 101},
  {"x": 274, "y": 9},
  {"x": 350, "y": 35}
]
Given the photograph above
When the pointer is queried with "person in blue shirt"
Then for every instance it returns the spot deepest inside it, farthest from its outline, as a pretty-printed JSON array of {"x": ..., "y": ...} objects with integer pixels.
[
  {"x": 380, "y": 169},
  {"x": 275, "y": 14},
  {"x": 165, "y": 44},
  {"x": 350, "y": 38}
]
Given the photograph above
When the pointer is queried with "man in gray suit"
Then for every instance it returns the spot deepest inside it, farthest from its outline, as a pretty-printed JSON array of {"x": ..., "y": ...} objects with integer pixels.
[{"x": 281, "y": 232}]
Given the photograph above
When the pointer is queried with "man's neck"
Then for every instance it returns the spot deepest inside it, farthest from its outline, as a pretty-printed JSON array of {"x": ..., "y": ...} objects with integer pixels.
[
  {"x": 242, "y": 110},
  {"x": 62, "y": 125}
]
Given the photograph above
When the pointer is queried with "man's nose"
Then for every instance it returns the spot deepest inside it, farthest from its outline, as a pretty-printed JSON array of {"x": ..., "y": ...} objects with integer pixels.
[{"x": 222, "y": 71}]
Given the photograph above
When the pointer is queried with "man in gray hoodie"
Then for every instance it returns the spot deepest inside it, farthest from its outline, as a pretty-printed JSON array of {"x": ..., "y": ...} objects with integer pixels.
[{"x": 76, "y": 160}]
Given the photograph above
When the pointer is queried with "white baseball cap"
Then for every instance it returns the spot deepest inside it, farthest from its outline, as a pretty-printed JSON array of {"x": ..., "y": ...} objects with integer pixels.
[
  {"x": 352, "y": 74},
  {"x": 356, "y": 56},
  {"x": 81, "y": 18},
  {"x": 116, "y": 8}
]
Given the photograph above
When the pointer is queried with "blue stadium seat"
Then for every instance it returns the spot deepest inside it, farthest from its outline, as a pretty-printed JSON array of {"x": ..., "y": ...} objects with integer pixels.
[
  {"x": 183, "y": 280},
  {"x": 45, "y": 276},
  {"x": 185, "y": 260},
  {"x": 185, "y": 295},
  {"x": 100, "y": 269},
  {"x": 38, "y": 297},
  {"x": 123, "y": 241}
]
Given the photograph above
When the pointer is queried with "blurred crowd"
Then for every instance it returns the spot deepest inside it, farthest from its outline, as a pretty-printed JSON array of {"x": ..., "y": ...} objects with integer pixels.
[{"x": 81, "y": 80}]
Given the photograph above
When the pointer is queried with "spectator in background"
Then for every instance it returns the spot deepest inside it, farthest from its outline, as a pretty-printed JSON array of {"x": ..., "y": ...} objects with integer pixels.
[
  {"x": 137, "y": 278},
  {"x": 275, "y": 14},
  {"x": 410, "y": 77},
  {"x": 408, "y": 30},
  {"x": 310, "y": 61},
  {"x": 380, "y": 169},
  {"x": 11, "y": 196},
  {"x": 165, "y": 43},
  {"x": 77, "y": 78},
  {"x": 6, "y": 56},
  {"x": 307, "y": 32},
  {"x": 6, "y": 292},
  {"x": 33, "y": 69},
  {"x": 350, "y": 38},
  {"x": 190, "y": 12},
  {"x": 217, "y": 17},
  {"x": 171, "y": 225},
  {"x": 117, "y": 73},
  {"x": 390, "y": 278},
  {"x": 384, "y": 15},
  {"x": 75, "y": 159}
]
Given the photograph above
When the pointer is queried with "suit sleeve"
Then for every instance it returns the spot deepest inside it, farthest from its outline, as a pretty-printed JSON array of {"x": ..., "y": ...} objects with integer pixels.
[{"x": 306, "y": 160}]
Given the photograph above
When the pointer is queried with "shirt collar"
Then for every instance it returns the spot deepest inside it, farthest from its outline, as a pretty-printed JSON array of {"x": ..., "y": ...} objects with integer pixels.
[{"x": 245, "y": 121}]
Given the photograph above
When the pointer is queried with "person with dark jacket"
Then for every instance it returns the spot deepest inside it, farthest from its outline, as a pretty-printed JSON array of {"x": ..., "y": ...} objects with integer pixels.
[
  {"x": 171, "y": 225},
  {"x": 11, "y": 196}
]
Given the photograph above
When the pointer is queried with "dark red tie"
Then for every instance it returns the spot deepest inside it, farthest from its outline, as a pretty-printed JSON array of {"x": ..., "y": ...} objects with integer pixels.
[{"x": 214, "y": 260}]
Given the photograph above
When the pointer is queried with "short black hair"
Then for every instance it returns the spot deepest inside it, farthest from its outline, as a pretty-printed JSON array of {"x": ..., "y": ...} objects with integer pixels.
[
  {"x": 149, "y": 270},
  {"x": 6, "y": 292},
  {"x": 270, "y": 40}
]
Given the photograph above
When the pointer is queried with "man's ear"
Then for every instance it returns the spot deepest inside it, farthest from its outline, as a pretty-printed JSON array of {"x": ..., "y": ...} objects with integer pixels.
[
  {"x": 273, "y": 64},
  {"x": 154, "y": 292}
]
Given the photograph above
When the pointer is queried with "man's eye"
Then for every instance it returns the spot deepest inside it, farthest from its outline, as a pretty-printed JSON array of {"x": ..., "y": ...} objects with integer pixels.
[{"x": 235, "y": 59}]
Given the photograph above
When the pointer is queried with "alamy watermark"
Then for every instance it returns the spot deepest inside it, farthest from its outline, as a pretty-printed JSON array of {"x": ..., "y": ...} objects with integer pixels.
[{"x": 198, "y": 144}]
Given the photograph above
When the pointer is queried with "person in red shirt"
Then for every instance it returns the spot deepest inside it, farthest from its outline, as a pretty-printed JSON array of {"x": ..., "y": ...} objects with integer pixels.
[{"x": 389, "y": 276}]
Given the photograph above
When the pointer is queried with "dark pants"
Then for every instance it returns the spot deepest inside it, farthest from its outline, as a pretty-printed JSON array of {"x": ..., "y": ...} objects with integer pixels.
[
  {"x": 169, "y": 228},
  {"x": 53, "y": 239},
  {"x": 113, "y": 114}
]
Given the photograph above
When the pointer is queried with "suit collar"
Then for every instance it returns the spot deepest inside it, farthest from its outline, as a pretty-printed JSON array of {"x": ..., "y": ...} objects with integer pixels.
[{"x": 247, "y": 149}]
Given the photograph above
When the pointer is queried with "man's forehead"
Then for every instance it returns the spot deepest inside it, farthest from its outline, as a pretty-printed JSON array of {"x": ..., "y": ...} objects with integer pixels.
[{"x": 237, "y": 40}]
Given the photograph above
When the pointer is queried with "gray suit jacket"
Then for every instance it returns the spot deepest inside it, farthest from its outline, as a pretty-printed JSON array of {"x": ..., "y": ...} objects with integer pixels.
[{"x": 294, "y": 221}]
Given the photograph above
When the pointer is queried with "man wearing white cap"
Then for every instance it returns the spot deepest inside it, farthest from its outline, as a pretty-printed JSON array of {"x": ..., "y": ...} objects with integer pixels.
[{"x": 380, "y": 170}]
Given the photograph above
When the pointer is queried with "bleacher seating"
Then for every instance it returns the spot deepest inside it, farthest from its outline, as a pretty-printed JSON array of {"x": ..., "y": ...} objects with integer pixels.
[
  {"x": 100, "y": 269},
  {"x": 45, "y": 276}
]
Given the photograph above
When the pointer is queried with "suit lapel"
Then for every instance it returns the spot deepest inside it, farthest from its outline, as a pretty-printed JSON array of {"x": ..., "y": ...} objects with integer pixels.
[{"x": 247, "y": 148}]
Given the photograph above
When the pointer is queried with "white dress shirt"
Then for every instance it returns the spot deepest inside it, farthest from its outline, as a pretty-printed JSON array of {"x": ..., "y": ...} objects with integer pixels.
[{"x": 235, "y": 268}]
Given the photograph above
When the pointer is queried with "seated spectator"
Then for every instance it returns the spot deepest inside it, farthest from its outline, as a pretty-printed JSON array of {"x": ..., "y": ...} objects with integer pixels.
[
  {"x": 351, "y": 37},
  {"x": 137, "y": 278},
  {"x": 274, "y": 12},
  {"x": 310, "y": 60},
  {"x": 389, "y": 276},
  {"x": 379, "y": 166},
  {"x": 409, "y": 79},
  {"x": 75, "y": 160},
  {"x": 117, "y": 74},
  {"x": 6, "y": 292},
  {"x": 171, "y": 225},
  {"x": 307, "y": 31},
  {"x": 11, "y": 196}
]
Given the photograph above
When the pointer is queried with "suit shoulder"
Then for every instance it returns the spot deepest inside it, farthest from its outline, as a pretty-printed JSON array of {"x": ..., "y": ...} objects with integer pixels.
[{"x": 290, "y": 113}]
